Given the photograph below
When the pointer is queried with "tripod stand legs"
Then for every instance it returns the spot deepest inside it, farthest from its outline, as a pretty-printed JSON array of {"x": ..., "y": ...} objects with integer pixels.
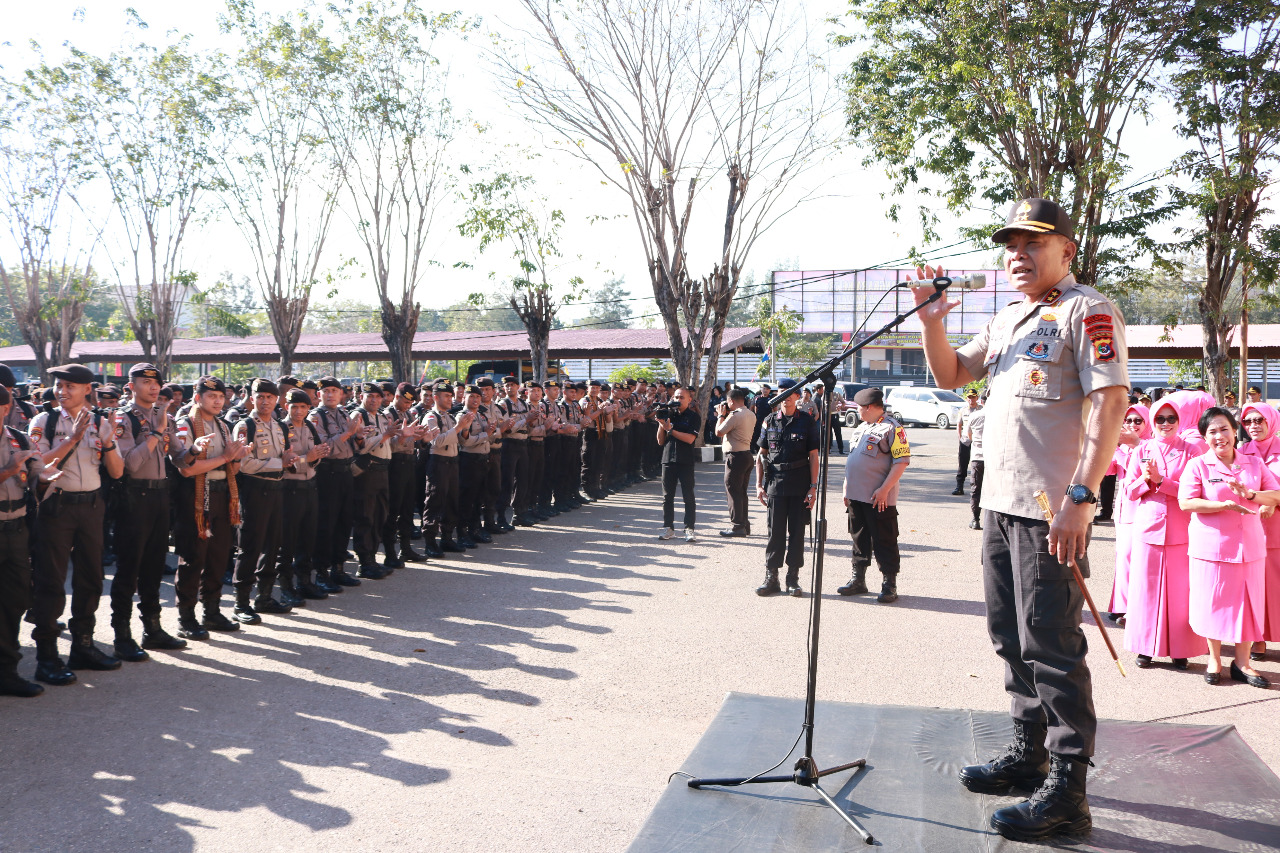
[{"x": 848, "y": 818}]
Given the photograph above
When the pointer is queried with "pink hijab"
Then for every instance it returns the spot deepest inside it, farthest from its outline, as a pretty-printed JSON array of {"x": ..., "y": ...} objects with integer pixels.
[
  {"x": 1266, "y": 446},
  {"x": 1145, "y": 413},
  {"x": 1191, "y": 407}
]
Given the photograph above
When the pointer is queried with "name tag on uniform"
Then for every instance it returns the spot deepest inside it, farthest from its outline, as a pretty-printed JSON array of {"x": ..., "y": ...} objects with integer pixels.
[{"x": 1215, "y": 479}]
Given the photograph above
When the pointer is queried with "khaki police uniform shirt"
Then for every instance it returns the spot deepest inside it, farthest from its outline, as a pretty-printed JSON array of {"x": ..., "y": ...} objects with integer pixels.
[
  {"x": 266, "y": 451},
  {"x": 20, "y": 414},
  {"x": 81, "y": 472},
  {"x": 874, "y": 448},
  {"x": 1042, "y": 360},
  {"x": 492, "y": 414},
  {"x": 140, "y": 461},
  {"x": 519, "y": 410},
  {"x": 446, "y": 443},
  {"x": 15, "y": 488},
  {"x": 301, "y": 442},
  {"x": 332, "y": 424},
  {"x": 186, "y": 439},
  {"x": 742, "y": 425},
  {"x": 475, "y": 439},
  {"x": 400, "y": 445},
  {"x": 379, "y": 425}
]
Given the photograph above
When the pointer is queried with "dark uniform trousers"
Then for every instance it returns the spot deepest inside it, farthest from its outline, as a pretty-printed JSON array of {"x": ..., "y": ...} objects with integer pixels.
[
  {"x": 70, "y": 530},
  {"x": 401, "y": 493},
  {"x": 590, "y": 462},
  {"x": 262, "y": 505},
  {"x": 978, "y": 469},
  {"x": 204, "y": 561},
  {"x": 537, "y": 472},
  {"x": 619, "y": 453},
  {"x": 874, "y": 533},
  {"x": 440, "y": 516},
  {"x": 787, "y": 517},
  {"x": 15, "y": 589},
  {"x": 549, "y": 487},
  {"x": 141, "y": 550},
  {"x": 567, "y": 471},
  {"x": 962, "y": 470},
  {"x": 421, "y": 459},
  {"x": 515, "y": 476},
  {"x": 1107, "y": 495},
  {"x": 682, "y": 474},
  {"x": 1033, "y": 616},
  {"x": 301, "y": 509},
  {"x": 333, "y": 525},
  {"x": 371, "y": 510},
  {"x": 472, "y": 470},
  {"x": 837, "y": 431},
  {"x": 635, "y": 466},
  {"x": 605, "y": 460},
  {"x": 492, "y": 498},
  {"x": 737, "y": 473}
]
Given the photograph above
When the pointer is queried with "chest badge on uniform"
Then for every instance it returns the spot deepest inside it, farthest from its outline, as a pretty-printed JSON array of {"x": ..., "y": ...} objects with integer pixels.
[
  {"x": 1049, "y": 316},
  {"x": 1036, "y": 377},
  {"x": 1039, "y": 350}
]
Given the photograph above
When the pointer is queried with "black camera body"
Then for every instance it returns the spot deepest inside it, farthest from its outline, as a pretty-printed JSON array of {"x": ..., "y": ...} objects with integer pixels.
[{"x": 666, "y": 411}]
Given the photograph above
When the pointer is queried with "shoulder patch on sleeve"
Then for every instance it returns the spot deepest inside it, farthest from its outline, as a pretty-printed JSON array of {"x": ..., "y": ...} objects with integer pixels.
[{"x": 899, "y": 447}]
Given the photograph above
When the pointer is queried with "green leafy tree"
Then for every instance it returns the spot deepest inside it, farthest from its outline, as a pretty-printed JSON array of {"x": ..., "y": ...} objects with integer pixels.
[
  {"x": 507, "y": 210},
  {"x": 610, "y": 306},
  {"x": 992, "y": 102},
  {"x": 148, "y": 119},
  {"x": 803, "y": 351}
]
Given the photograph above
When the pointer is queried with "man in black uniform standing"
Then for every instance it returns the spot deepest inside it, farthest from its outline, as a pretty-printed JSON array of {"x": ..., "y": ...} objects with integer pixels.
[
  {"x": 1044, "y": 356},
  {"x": 677, "y": 434},
  {"x": 787, "y": 484}
]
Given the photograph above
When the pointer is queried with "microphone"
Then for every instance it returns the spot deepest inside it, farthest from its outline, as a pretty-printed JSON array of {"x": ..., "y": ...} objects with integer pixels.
[{"x": 972, "y": 281}]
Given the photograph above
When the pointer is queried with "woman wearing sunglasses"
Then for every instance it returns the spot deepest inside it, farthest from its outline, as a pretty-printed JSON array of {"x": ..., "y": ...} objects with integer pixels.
[
  {"x": 1261, "y": 422},
  {"x": 1135, "y": 429},
  {"x": 1223, "y": 490},
  {"x": 1157, "y": 623}
]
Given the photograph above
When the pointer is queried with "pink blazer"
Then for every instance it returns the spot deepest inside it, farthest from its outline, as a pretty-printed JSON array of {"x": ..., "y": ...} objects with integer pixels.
[
  {"x": 1157, "y": 518},
  {"x": 1226, "y": 537}
]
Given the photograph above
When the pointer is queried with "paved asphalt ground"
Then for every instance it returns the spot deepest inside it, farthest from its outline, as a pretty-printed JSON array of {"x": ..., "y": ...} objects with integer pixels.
[{"x": 531, "y": 696}]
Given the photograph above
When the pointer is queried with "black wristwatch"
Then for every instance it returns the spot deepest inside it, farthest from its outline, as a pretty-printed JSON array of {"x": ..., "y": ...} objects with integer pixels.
[{"x": 1080, "y": 494}]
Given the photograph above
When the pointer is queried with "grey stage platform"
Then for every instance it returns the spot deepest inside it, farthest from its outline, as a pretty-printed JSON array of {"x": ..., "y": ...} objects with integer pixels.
[{"x": 1157, "y": 787}]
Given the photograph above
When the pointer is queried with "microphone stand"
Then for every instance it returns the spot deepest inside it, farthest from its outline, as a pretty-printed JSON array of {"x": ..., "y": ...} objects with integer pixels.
[{"x": 806, "y": 769}]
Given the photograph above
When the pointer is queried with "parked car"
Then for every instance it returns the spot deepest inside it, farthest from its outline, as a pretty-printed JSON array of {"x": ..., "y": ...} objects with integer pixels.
[
  {"x": 845, "y": 391},
  {"x": 920, "y": 405}
]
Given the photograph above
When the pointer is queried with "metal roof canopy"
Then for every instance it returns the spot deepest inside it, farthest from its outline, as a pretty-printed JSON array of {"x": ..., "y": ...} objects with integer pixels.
[
  {"x": 1187, "y": 341},
  {"x": 427, "y": 346}
]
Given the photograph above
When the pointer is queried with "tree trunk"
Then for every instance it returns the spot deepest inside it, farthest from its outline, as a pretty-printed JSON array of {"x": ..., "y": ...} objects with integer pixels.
[{"x": 398, "y": 329}]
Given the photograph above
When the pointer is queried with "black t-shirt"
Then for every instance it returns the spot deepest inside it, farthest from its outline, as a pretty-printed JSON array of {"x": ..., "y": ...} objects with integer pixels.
[
  {"x": 675, "y": 451},
  {"x": 761, "y": 407},
  {"x": 786, "y": 442}
]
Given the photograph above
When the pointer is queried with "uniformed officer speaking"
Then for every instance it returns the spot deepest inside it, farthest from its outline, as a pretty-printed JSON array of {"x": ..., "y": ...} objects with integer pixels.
[
  {"x": 787, "y": 483},
  {"x": 1045, "y": 356},
  {"x": 878, "y": 456}
]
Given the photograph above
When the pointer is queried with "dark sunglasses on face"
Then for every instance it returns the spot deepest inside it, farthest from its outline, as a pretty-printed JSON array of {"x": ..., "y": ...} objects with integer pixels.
[
  {"x": 1166, "y": 419},
  {"x": 1254, "y": 422},
  {"x": 1134, "y": 421}
]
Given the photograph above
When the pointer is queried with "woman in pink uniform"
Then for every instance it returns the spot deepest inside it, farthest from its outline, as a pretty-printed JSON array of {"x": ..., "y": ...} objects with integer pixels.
[
  {"x": 1136, "y": 429},
  {"x": 1157, "y": 624},
  {"x": 1223, "y": 490},
  {"x": 1261, "y": 423}
]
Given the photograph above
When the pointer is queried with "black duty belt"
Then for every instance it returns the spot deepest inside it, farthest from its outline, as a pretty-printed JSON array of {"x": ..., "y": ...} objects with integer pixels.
[
  {"x": 78, "y": 497},
  {"x": 10, "y": 506},
  {"x": 299, "y": 485},
  {"x": 262, "y": 482},
  {"x": 788, "y": 466},
  {"x": 475, "y": 453},
  {"x": 335, "y": 463},
  {"x": 436, "y": 457},
  {"x": 135, "y": 483},
  {"x": 13, "y": 525},
  {"x": 215, "y": 485},
  {"x": 375, "y": 462}
]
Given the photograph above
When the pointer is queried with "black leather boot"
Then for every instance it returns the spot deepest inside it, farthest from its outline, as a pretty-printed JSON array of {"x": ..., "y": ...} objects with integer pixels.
[
  {"x": 85, "y": 655},
  {"x": 243, "y": 612},
  {"x": 793, "y": 584},
  {"x": 857, "y": 584},
  {"x": 154, "y": 636},
  {"x": 435, "y": 550},
  {"x": 1023, "y": 764},
  {"x": 215, "y": 620},
  {"x": 339, "y": 576},
  {"x": 1058, "y": 807},
  {"x": 308, "y": 589},
  {"x": 12, "y": 684},
  {"x": 49, "y": 667},
  {"x": 770, "y": 585},
  {"x": 325, "y": 583},
  {"x": 888, "y": 590},
  {"x": 126, "y": 648},
  {"x": 189, "y": 626}
]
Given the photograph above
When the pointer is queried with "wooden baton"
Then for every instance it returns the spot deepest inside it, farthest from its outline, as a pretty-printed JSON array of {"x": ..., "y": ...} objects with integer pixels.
[{"x": 1047, "y": 509}]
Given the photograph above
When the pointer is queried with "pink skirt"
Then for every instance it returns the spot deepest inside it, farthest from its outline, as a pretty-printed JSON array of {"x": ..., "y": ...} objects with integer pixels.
[
  {"x": 1228, "y": 600},
  {"x": 1120, "y": 587},
  {"x": 1271, "y": 623},
  {"x": 1157, "y": 622}
]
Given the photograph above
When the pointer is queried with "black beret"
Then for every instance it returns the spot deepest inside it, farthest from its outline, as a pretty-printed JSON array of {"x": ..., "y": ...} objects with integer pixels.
[
  {"x": 596, "y": 383},
  {"x": 330, "y": 382},
  {"x": 46, "y": 396},
  {"x": 473, "y": 389},
  {"x": 77, "y": 373},
  {"x": 166, "y": 392},
  {"x": 484, "y": 382},
  {"x": 265, "y": 386},
  {"x": 631, "y": 383},
  {"x": 445, "y": 387},
  {"x": 784, "y": 384},
  {"x": 581, "y": 386},
  {"x": 551, "y": 383},
  {"x": 6, "y": 376},
  {"x": 510, "y": 380},
  {"x": 288, "y": 380},
  {"x": 532, "y": 384},
  {"x": 387, "y": 387},
  {"x": 210, "y": 383},
  {"x": 370, "y": 388},
  {"x": 298, "y": 396},
  {"x": 869, "y": 397},
  {"x": 310, "y": 385},
  {"x": 407, "y": 390},
  {"x": 109, "y": 391},
  {"x": 145, "y": 371}
]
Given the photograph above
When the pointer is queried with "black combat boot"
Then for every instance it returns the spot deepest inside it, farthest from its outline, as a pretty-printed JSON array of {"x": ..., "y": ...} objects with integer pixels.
[
  {"x": 126, "y": 648},
  {"x": 1022, "y": 765},
  {"x": 189, "y": 626},
  {"x": 49, "y": 666},
  {"x": 289, "y": 594},
  {"x": 770, "y": 585},
  {"x": 339, "y": 576},
  {"x": 857, "y": 584},
  {"x": 243, "y": 612},
  {"x": 408, "y": 554},
  {"x": 85, "y": 655},
  {"x": 1058, "y": 807},
  {"x": 264, "y": 603},
  {"x": 888, "y": 589},
  {"x": 481, "y": 535},
  {"x": 154, "y": 636},
  {"x": 793, "y": 584},
  {"x": 435, "y": 550},
  {"x": 325, "y": 583},
  {"x": 309, "y": 589},
  {"x": 12, "y": 684},
  {"x": 215, "y": 620}
]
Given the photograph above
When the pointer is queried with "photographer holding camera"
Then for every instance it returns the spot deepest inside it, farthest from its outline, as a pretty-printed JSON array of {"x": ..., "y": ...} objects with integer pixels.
[
  {"x": 736, "y": 423},
  {"x": 677, "y": 432}
]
